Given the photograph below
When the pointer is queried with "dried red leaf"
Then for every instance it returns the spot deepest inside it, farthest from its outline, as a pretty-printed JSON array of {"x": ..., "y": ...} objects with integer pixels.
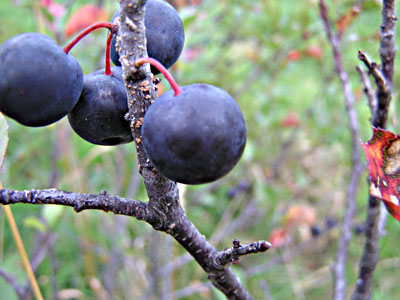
[
  {"x": 347, "y": 19},
  {"x": 383, "y": 156},
  {"x": 279, "y": 237}
]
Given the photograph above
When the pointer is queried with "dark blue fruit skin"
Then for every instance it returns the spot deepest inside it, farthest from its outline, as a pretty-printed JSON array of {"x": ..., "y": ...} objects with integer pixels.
[
  {"x": 164, "y": 33},
  {"x": 99, "y": 115},
  {"x": 195, "y": 137},
  {"x": 39, "y": 83}
]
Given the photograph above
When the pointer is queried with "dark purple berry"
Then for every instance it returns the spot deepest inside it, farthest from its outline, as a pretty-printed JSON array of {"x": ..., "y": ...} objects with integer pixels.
[
  {"x": 195, "y": 137},
  {"x": 39, "y": 82},
  {"x": 315, "y": 230},
  {"x": 164, "y": 34},
  {"x": 99, "y": 116}
]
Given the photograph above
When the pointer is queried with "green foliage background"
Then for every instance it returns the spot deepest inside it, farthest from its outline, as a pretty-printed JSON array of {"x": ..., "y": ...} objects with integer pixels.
[{"x": 248, "y": 48}]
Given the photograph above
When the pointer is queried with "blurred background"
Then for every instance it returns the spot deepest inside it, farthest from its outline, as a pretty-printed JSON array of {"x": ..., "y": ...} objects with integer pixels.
[{"x": 289, "y": 187}]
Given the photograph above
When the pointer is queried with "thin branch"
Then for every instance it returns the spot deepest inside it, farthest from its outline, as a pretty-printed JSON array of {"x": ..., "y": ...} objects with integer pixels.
[
  {"x": 22, "y": 252},
  {"x": 78, "y": 201},
  {"x": 188, "y": 291},
  {"x": 13, "y": 282},
  {"x": 374, "y": 226},
  {"x": 232, "y": 255},
  {"x": 374, "y": 71},
  {"x": 293, "y": 252},
  {"x": 341, "y": 255},
  {"x": 367, "y": 89},
  {"x": 163, "y": 210},
  {"x": 43, "y": 245},
  {"x": 163, "y": 194},
  {"x": 383, "y": 94},
  {"x": 265, "y": 287},
  {"x": 387, "y": 49}
]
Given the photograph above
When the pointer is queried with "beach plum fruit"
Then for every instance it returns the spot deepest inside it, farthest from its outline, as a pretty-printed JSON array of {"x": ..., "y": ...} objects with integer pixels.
[
  {"x": 195, "y": 137},
  {"x": 164, "y": 34},
  {"x": 39, "y": 82},
  {"x": 99, "y": 115}
]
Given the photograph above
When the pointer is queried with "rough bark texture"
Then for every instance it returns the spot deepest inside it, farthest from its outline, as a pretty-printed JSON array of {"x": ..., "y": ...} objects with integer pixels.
[
  {"x": 167, "y": 214},
  {"x": 338, "y": 268},
  {"x": 163, "y": 210},
  {"x": 387, "y": 52}
]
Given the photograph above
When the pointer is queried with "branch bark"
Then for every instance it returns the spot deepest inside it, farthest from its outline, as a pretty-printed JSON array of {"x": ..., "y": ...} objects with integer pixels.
[
  {"x": 163, "y": 193},
  {"x": 357, "y": 167},
  {"x": 163, "y": 210},
  {"x": 387, "y": 52}
]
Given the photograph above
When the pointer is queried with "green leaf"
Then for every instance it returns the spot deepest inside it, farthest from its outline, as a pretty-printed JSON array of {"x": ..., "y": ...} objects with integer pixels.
[
  {"x": 3, "y": 138},
  {"x": 52, "y": 213},
  {"x": 35, "y": 223}
]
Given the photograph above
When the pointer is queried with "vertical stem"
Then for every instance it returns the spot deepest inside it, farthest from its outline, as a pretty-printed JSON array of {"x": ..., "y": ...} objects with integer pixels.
[
  {"x": 22, "y": 252},
  {"x": 387, "y": 52},
  {"x": 341, "y": 254},
  {"x": 107, "y": 70}
]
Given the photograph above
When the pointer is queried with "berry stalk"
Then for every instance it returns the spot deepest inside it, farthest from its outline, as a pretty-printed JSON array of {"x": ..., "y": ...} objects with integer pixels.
[
  {"x": 163, "y": 70},
  {"x": 88, "y": 30},
  {"x": 107, "y": 70}
]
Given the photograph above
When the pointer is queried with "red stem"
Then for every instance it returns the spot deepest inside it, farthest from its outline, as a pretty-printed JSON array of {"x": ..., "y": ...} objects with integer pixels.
[
  {"x": 163, "y": 70},
  {"x": 107, "y": 70},
  {"x": 85, "y": 32}
]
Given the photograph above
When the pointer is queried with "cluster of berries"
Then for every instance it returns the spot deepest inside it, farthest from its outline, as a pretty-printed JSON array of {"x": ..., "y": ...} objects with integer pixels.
[{"x": 194, "y": 134}]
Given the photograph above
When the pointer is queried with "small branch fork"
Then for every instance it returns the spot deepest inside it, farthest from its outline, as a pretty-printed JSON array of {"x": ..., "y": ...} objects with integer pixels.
[
  {"x": 383, "y": 79},
  {"x": 79, "y": 202},
  {"x": 217, "y": 261},
  {"x": 163, "y": 210},
  {"x": 232, "y": 255},
  {"x": 357, "y": 166}
]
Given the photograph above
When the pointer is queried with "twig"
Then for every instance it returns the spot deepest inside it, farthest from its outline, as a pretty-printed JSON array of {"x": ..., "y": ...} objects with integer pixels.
[
  {"x": 292, "y": 274},
  {"x": 22, "y": 252},
  {"x": 198, "y": 287},
  {"x": 299, "y": 249},
  {"x": 78, "y": 201},
  {"x": 163, "y": 210},
  {"x": 384, "y": 91},
  {"x": 163, "y": 193},
  {"x": 232, "y": 255},
  {"x": 368, "y": 90},
  {"x": 341, "y": 255},
  {"x": 213, "y": 262},
  {"x": 265, "y": 287},
  {"x": 13, "y": 282},
  {"x": 373, "y": 70},
  {"x": 374, "y": 226},
  {"x": 221, "y": 231}
]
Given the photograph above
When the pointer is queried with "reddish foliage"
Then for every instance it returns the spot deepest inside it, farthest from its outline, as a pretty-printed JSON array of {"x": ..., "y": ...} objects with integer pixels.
[
  {"x": 55, "y": 9},
  {"x": 84, "y": 17},
  {"x": 383, "y": 156},
  {"x": 347, "y": 19},
  {"x": 279, "y": 237},
  {"x": 314, "y": 52},
  {"x": 291, "y": 120},
  {"x": 294, "y": 55},
  {"x": 300, "y": 214}
]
